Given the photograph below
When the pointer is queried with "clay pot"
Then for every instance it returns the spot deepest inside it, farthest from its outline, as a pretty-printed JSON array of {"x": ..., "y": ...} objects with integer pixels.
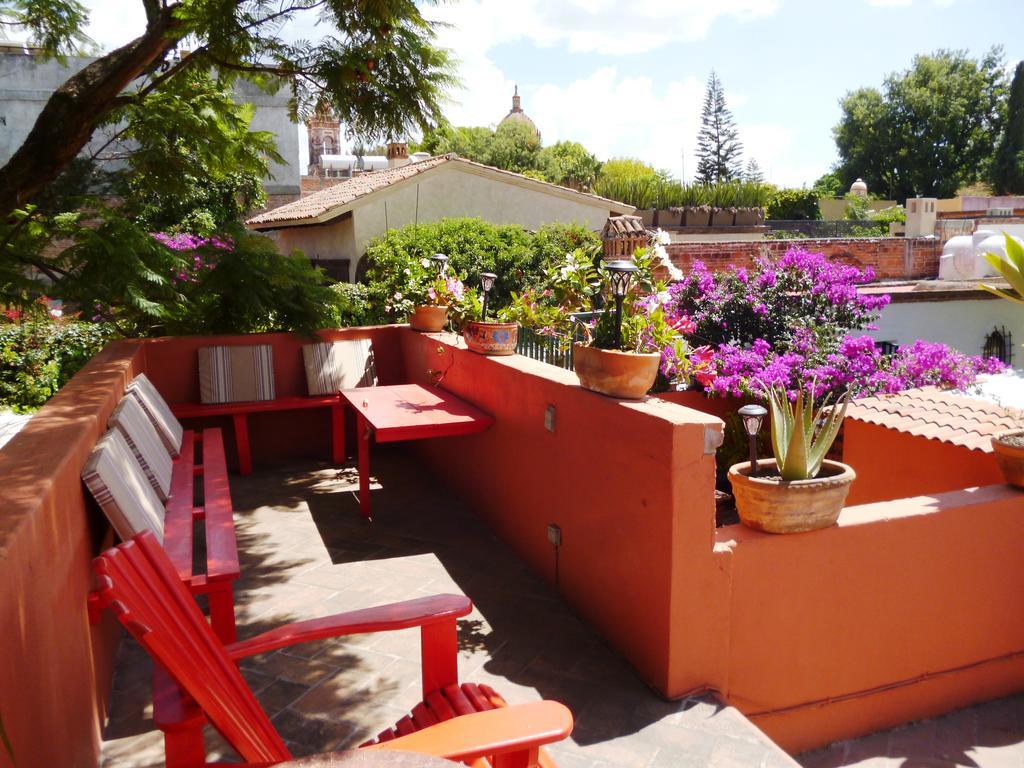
[
  {"x": 617, "y": 374},
  {"x": 723, "y": 217},
  {"x": 746, "y": 217},
  {"x": 774, "y": 505},
  {"x": 667, "y": 217},
  {"x": 696, "y": 217},
  {"x": 491, "y": 338},
  {"x": 429, "y": 319},
  {"x": 1010, "y": 457},
  {"x": 646, "y": 216}
]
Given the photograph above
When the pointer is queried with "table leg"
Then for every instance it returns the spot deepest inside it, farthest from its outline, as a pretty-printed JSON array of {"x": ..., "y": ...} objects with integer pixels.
[
  {"x": 242, "y": 443},
  {"x": 363, "y": 431}
]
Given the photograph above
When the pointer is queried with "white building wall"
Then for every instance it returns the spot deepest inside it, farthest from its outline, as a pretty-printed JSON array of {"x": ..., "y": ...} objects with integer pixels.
[{"x": 962, "y": 324}]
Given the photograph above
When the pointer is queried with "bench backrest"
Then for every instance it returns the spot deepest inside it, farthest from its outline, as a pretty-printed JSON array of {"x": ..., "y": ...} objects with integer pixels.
[
  {"x": 137, "y": 580},
  {"x": 156, "y": 408},
  {"x": 334, "y": 366},
  {"x": 113, "y": 476}
]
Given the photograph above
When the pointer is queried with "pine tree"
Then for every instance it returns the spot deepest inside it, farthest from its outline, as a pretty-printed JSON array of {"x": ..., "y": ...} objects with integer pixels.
[
  {"x": 718, "y": 145},
  {"x": 753, "y": 172},
  {"x": 1008, "y": 163}
]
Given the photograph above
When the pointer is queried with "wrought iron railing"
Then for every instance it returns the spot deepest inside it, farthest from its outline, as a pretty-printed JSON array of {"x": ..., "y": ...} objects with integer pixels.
[{"x": 553, "y": 350}]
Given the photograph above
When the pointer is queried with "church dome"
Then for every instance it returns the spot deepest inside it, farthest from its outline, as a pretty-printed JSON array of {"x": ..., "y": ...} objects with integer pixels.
[{"x": 516, "y": 114}]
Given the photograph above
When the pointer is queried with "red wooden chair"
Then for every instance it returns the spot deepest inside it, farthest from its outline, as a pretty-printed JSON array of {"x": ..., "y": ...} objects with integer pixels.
[{"x": 196, "y": 678}]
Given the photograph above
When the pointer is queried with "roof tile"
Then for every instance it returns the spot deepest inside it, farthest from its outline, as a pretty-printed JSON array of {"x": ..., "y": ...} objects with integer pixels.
[{"x": 937, "y": 414}]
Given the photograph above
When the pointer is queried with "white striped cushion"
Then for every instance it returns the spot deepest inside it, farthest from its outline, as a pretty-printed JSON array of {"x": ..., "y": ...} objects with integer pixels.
[
  {"x": 332, "y": 367},
  {"x": 145, "y": 443},
  {"x": 121, "y": 489},
  {"x": 236, "y": 374},
  {"x": 156, "y": 408}
]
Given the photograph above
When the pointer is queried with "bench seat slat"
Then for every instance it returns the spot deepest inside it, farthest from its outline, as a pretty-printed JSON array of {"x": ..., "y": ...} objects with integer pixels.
[
  {"x": 221, "y": 549},
  {"x": 178, "y": 511},
  {"x": 198, "y": 410}
]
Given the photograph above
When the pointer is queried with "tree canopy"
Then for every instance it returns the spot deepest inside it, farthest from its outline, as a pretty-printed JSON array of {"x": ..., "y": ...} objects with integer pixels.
[
  {"x": 719, "y": 151},
  {"x": 1008, "y": 164},
  {"x": 928, "y": 131},
  {"x": 376, "y": 66}
]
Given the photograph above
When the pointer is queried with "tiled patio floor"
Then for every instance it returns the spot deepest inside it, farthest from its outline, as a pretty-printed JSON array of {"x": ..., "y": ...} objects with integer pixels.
[{"x": 306, "y": 553}]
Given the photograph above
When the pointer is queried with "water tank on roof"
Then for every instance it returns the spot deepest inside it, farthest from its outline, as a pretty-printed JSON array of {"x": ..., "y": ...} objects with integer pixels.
[
  {"x": 416, "y": 157},
  {"x": 374, "y": 162},
  {"x": 963, "y": 256},
  {"x": 338, "y": 162}
]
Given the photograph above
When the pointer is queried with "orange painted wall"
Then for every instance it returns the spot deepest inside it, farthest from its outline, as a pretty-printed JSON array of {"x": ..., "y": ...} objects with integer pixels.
[
  {"x": 629, "y": 484},
  {"x": 54, "y": 668},
  {"x": 903, "y": 610},
  {"x": 895, "y": 465},
  {"x": 172, "y": 363}
]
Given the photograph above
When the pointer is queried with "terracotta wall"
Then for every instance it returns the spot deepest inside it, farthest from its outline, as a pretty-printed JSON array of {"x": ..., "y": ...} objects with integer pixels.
[
  {"x": 890, "y": 257},
  {"x": 54, "y": 668},
  {"x": 172, "y": 363},
  {"x": 895, "y": 465},
  {"x": 630, "y": 485}
]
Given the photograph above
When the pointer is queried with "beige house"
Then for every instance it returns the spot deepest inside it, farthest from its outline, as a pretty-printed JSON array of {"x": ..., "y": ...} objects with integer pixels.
[{"x": 334, "y": 225}]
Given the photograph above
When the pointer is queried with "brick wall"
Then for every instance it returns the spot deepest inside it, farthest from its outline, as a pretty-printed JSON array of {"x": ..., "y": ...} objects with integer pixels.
[{"x": 890, "y": 257}]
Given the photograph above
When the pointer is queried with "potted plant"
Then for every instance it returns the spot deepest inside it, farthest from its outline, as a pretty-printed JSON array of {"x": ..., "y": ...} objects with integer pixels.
[
  {"x": 751, "y": 197},
  {"x": 669, "y": 197},
  {"x": 694, "y": 206},
  {"x": 433, "y": 291},
  {"x": 483, "y": 336},
  {"x": 622, "y": 351},
  {"x": 798, "y": 490},
  {"x": 1008, "y": 445}
]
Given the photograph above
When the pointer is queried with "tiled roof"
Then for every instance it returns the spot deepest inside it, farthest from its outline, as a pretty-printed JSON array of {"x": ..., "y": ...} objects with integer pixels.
[
  {"x": 319, "y": 203},
  {"x": 937, "y": 415},
  {"x": 623, "y": 227}
]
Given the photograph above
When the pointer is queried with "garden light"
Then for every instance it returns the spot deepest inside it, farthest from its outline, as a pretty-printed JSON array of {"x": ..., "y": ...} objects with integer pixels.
[
  {"x": 752, "y": 416},
  {"x": 486, "y": 283},
  {"x": 440, "y": 261},
  {"x": 621, "y": 273}
]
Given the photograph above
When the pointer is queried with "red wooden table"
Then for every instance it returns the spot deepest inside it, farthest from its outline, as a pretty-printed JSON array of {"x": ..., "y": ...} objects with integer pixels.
[{"x": 407, "y": 412}]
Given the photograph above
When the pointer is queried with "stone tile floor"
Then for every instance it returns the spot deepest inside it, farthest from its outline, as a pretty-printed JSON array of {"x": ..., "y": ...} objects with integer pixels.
[
  {"x": 989, "y": 735},
  {"x": 306, "y": 553}
]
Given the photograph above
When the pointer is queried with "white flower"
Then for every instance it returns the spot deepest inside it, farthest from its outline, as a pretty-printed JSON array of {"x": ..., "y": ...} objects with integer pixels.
[
  {"x": 398, "y": 296},
  {"x": 662, "y": 237},
  {"x": 408, "y": 271},
  {"x": 664, "y": 297},
  {"x": 57, "y": 313},
  {"x": 425, "y": 262}
]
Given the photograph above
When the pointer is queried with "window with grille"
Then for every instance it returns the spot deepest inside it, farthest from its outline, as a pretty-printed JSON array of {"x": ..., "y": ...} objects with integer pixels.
[{"x": 999, "y": 344}]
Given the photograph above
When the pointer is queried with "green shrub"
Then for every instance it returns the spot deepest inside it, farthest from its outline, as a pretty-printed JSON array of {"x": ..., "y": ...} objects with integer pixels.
[
  {"x": 473, "y": 246},
  {"x": 794, "y": 205},
  {"x": 352, "y": 305},
  {"x": 38, "y": 357}
]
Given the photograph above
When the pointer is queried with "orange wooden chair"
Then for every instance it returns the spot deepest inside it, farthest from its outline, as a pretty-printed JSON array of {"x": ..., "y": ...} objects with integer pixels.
[{"x": 196, "y": 678}]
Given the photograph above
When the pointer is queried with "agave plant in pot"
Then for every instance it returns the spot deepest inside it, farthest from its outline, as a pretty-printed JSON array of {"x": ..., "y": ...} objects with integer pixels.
[
  {"x": 483, "y": 336},
  {"x": 433, "y": 291},
  {"x": 799, "y": 490},
  {"x": 1008, "y": 445}
]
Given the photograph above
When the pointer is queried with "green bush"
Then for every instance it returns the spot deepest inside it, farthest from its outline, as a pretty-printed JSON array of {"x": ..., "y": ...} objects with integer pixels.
[
  {"x": 794, "y": 205},
  {"x": 352, "y": 307},
  {"x": 516, "y": 255},
  {"x": 38, "y": 357}
]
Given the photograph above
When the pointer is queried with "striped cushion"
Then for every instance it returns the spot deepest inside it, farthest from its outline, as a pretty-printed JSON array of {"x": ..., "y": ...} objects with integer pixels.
[
  {"x": 236, "y": 374},
  {"x": 145, "y": 443},
  {"x": 332, "y": 367},
  {"x": 121, "y": 489},
  {"x": 156, "y": 408}
]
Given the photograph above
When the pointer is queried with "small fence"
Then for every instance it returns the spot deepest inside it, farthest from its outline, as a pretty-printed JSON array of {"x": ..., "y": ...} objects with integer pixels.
[
  {"x": 553, "y": 350},
  {"x": 827, "y": 229}
]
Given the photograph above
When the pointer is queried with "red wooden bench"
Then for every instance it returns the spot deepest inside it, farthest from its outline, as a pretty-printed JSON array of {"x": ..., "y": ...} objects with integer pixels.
[
  {"x": 221, "y": 569},
  {"x": 239, "y": 412},
  {"x": 197, "y": 677}
]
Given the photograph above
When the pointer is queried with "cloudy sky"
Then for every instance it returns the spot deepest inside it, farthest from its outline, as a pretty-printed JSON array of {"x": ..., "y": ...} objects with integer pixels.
[{"x": 626, "y": 77}]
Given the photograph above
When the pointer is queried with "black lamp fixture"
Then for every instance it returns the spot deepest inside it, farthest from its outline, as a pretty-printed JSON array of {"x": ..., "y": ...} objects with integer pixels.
[
  {"x": 440, "y": 262},
  {"x": 486, "y": 283},
  {"x": 752, "y": 416},
  {"x": 621, "y": 273}
]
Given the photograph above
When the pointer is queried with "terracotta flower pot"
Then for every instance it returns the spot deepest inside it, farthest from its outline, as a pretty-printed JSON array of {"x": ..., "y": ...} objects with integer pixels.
[
  {"x": 491, "y": 338},
  {"x": 778, "y": 506},
  {"x": 1010, "y": 455},
  {"x": 746, "y": 217},
  {"x": 429, "y": 319},
  {"x": 616, "y": 374},
  {"x": 667, "y": 217},
  {"x": 696, "y": 216},
  {"x": 723, "y": 217}
]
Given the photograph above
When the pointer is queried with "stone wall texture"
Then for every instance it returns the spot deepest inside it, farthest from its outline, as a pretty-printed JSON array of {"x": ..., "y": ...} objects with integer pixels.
[{"x": 892, "y": 258}]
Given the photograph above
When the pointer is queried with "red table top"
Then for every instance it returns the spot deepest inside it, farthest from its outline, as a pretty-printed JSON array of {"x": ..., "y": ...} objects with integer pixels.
[{"x": 412, "y": 411}]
